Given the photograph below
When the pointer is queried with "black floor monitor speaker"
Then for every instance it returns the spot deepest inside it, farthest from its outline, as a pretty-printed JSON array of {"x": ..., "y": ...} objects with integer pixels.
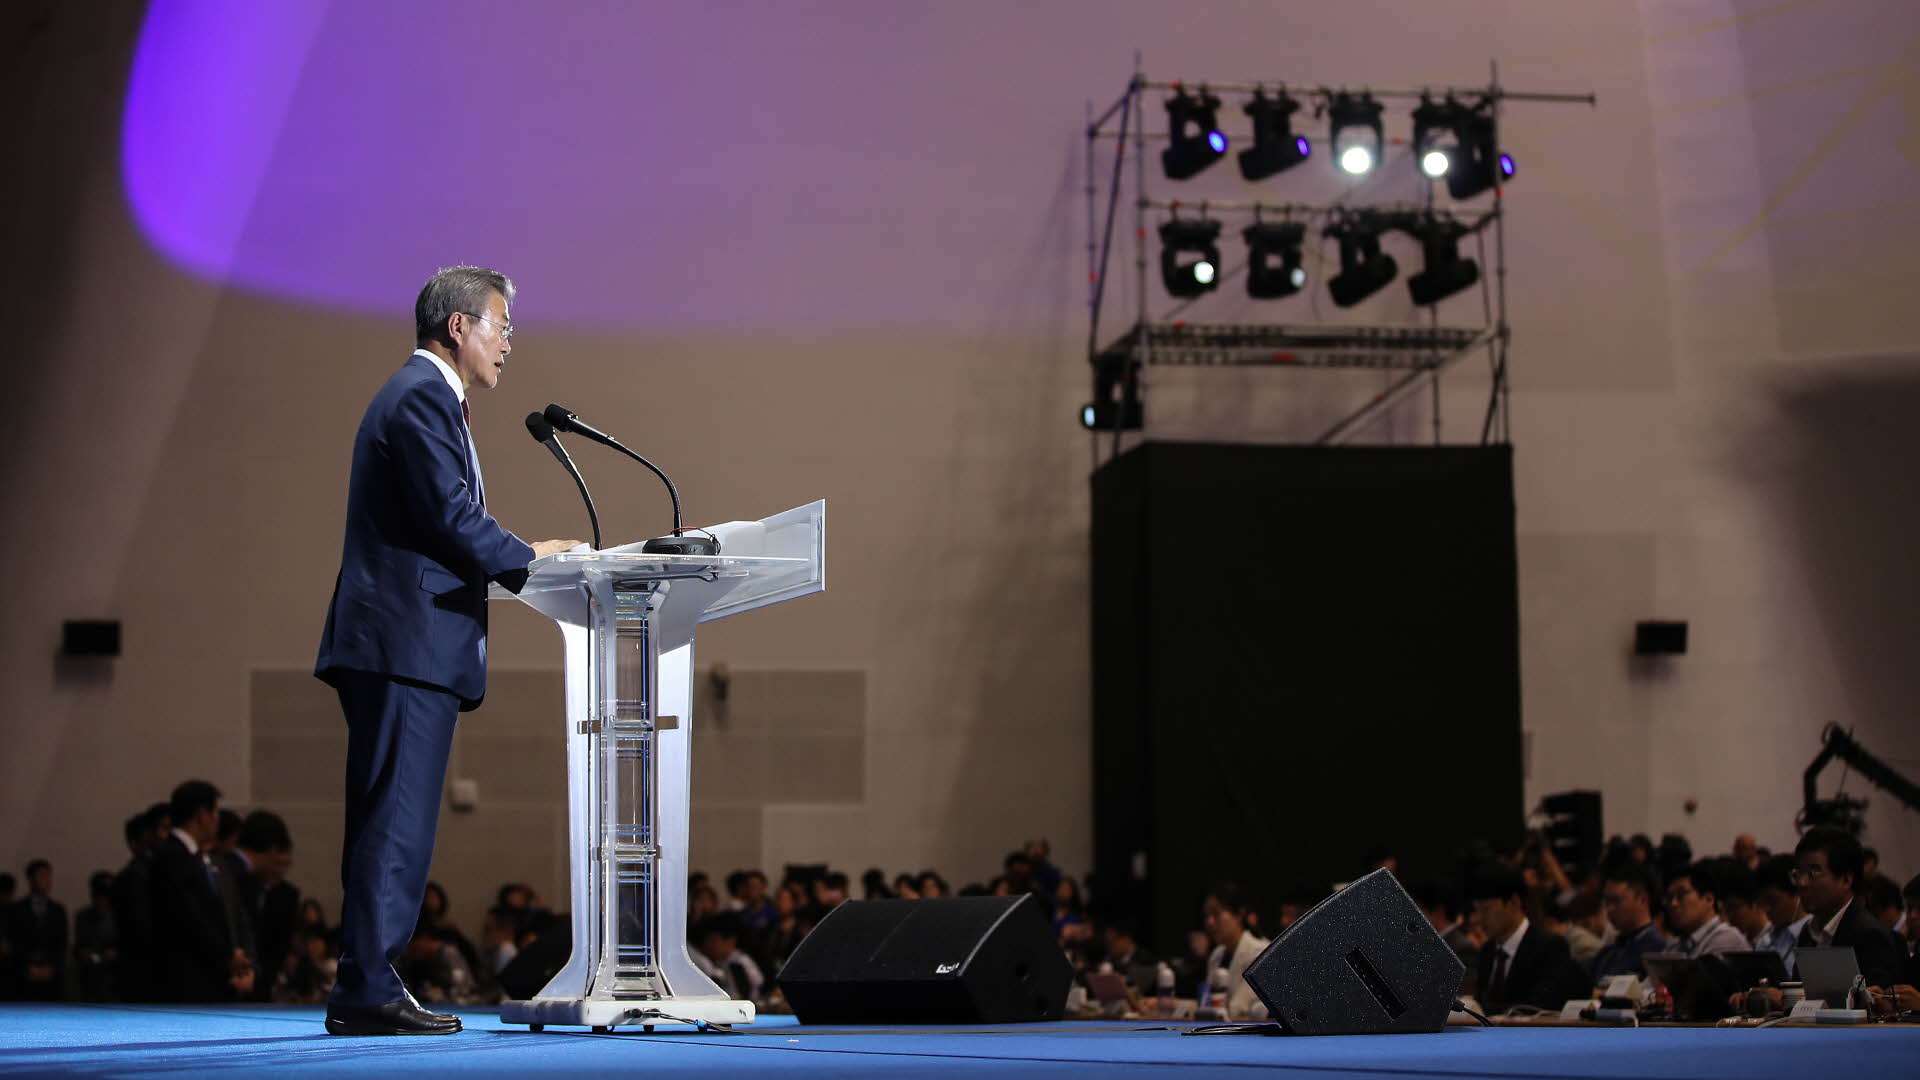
[
  {"x": 967, "y": 960},
  {"x": 1364, "y": 961}
]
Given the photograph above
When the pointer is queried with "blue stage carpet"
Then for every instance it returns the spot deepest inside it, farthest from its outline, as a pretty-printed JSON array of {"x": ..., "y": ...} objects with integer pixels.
[{"x": 159, "y": 1041}]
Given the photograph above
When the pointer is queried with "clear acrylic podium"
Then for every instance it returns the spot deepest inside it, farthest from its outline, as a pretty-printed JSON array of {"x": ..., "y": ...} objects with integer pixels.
[{"x": 627, "y": 621}]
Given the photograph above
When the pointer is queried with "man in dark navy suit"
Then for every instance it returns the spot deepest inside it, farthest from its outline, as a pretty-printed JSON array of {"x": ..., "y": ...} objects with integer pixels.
[{"x": 405, "y": 644}]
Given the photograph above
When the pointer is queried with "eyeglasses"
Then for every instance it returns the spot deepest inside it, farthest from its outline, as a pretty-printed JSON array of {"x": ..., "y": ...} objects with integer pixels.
[
  {"x": 506, "y": 329},
  {"x": 1679, "y": 893},
  {"x": 1800, "y": 875}
]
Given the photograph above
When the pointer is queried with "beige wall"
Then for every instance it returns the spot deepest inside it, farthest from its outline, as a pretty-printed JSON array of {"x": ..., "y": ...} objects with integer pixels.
[{"x": 1708, "y": 272}]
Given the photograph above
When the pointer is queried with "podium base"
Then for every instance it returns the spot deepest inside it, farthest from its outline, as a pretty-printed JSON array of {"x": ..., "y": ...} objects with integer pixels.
[{"x": 601, "y": 1013}]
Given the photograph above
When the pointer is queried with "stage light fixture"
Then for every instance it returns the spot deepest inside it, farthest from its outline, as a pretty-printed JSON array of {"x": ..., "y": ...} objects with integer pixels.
[
  {"x": 1190, "y": 256},
  {"x": 1195, "y": 140},
  {"x": 1116, "y": 398},
  {"x": 1364, "y": 268},
  {"x": 1276, "y": 147},
  {"x": 1435, "y": 137},
  {"x": 1273, "y": 259},
  {"x": 1477, "y": 161},
  {"x": 1356, "y": 136},
  {"x": 1443, "y": 272}
]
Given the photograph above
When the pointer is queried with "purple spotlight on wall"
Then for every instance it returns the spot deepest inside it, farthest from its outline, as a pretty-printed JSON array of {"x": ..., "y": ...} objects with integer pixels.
[
  {"x": 1217, "y": 141},
  {"x": 1303, "y": 145},
  {"x": 1506, "y": 164}
]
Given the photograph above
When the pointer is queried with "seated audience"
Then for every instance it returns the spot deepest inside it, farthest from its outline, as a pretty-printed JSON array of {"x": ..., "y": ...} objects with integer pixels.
[
  {"x": 1781, "y": 900},
  {"x": 1226, "y": 914},
  {"x": 906, "y": 886},
  {"x": 1693, "y": 913},
  {"x": 1521, "y": 963},
  {"x": 1829, "y": 866},
  {"x": 1627, "y": 898},
  {"x": 1746, "y": 851},
  {"x": 933, "y": 886},
  {"x": 1585, "y": 928},
  {"x": 499, "y": 940},
  {"x": 435, "y": 921},
  {"x": 790, "y": 924},
  {"x": 717, "y": 952},
  {"x": 1740, "y": 904},
  {"x": 1443, "y": 914},
  {"x": 747, "y": 895},
  {"x": 1128, "y": 960},
  {"x": 1882, "y": 897},
  {"x": 1070, "y": 915},
  {"x": 308, "y": 972}
]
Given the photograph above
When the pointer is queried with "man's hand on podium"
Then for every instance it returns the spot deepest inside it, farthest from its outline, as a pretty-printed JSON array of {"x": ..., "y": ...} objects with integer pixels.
[{"x": 544, "y": 548}]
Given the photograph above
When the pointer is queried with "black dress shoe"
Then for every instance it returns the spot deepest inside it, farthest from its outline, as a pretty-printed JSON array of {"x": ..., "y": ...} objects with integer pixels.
[{"x": 397, "y": 1018}]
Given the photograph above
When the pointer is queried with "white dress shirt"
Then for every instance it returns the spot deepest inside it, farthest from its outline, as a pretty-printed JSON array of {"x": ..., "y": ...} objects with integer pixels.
[{"x": 1711, "y": 938}]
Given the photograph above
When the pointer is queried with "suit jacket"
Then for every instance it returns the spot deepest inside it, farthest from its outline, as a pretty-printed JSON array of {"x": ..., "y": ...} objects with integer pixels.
[
  {"x": 37, "y": 940},
  {"x": 1882, "y": 957},
  {"x": 1542, "y": 973},
  {"x": 133, "y": 919},
  {"x": 274, "y": 910},
  {"x": 192, "y": 948},
  {"x": 410, "y": 600}
]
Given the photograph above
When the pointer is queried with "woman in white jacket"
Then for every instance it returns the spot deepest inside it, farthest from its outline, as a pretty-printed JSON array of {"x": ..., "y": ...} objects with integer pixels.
[{"x": 1225, "y": 914}]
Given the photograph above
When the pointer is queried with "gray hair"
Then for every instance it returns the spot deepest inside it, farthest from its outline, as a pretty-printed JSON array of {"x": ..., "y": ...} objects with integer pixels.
[{"x": 455, "y": 288}]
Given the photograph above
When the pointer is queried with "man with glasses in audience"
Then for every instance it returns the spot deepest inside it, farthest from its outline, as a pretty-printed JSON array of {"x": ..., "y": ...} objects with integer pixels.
[
  {"x": 1693, "y": 914},
  {"x": 1627, "y": 897},
  {"x": 1829, "y": 867}
]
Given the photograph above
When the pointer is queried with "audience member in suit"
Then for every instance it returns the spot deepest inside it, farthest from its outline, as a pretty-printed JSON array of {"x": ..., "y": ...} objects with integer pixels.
[
  {"x": 135, "y": 976},
  {"x": 1829, "y": 867},
  {"x": 1227, "y": 914},
  {"x": 96, "y": 940},
  {"x": 231, "y": 876},
  {"x": 1627, "y": 896},
  {"x": 1907, "y": 993},
  {"x": 1443, "y": 914},
  {"x": 37, "y": 926},
  {"x": 265, "y": 848},
  {"x": 1130, "y": 961},
  {"x": 1693, "y": 912},
  {"x": 1521, "y": 963},
  {"x": 198, "y": 959},
  {"x": 1882, "y": 899}
]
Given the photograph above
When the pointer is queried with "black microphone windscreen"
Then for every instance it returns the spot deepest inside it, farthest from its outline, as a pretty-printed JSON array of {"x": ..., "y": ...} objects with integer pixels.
[
  {"x": 538, "y": 427},
  {"x": 560, "y": 418}
]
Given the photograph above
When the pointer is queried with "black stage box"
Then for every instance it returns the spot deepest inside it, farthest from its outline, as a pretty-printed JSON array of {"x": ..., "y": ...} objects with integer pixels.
[
  {"x": 1300, "y": 654},
  {"x": 965, "y": 960}
]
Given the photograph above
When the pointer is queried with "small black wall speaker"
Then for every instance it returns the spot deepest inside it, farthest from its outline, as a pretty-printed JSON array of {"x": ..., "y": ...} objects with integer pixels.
[
  {"x": 965, "y": 960},
  {"x": 1659, "y": 638},
  {"x": 90, "y": 637},
  {"x": 1364, "y": 961}
]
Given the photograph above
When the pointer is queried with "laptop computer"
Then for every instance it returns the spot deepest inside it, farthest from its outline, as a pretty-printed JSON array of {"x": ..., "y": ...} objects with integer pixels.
[{"x": 1828, "y": 973}]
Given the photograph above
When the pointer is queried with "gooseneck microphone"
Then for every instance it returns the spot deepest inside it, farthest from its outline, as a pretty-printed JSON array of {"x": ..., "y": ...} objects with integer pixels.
[
  {"x": 564, "y": 420},
  {"x": 542, "y": 433}
]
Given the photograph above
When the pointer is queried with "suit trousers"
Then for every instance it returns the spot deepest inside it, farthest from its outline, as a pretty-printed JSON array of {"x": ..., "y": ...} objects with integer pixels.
[{"x": 399, "y": 734}]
